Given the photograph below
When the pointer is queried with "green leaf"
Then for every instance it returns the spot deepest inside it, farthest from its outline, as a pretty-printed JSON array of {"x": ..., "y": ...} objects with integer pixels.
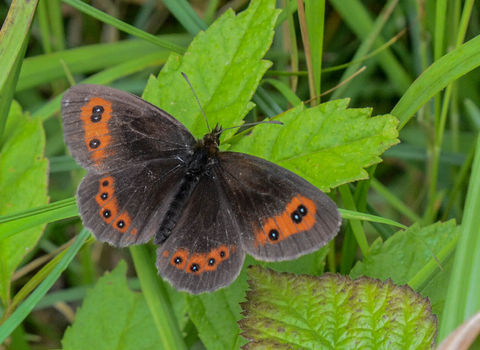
[
  {"x": 328, "y": 145},
  {"x": 224, "y": 65},
  {"x": 23, "y": 185},
  {"x": 406, "y": 253},
  {"x": 285, "y": 311},
  {"x": 112, "y": 317},
  {"x": 216, "y": 314}
]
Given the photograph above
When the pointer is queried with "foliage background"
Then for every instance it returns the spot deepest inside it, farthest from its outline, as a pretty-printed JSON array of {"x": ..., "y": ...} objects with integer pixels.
[{"x": 422, "y": 180}]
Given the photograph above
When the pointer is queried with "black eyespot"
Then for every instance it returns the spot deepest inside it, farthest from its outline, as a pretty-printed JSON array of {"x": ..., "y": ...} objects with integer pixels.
[
  {"x": 98, "y": 110},
  {"x": 211, "y": 262},
  {"x": 94, "y": 143},
  {"x": 194, "y": 267},
  {"x": 105, "y": 183},
  {"x": 222, "y": 254},
  {"x": 273, "y": 235},
  {"x": 302, "y": 210},
  {"x": 178, "y": 260},
  {"x": 107, "y": 213},
  {"x": 121, "y": 224},
  {"x": 95, "y": 118},
  {"x": 296, "y": 217},
  {"x": 104, "y": 195}
]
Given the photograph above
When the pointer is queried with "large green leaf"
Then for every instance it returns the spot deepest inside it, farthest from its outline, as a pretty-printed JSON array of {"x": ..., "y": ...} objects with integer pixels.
[
  {"x": 112, "y": 317},
  {"x": 23, "y": 185},
  {"x": 285, "y": 311},
  {"x": 328, "y": 145},
  {"x": 216, "y": 314},
  {"x": 406, "y": 253},
  {"x": 224, "y": 65}
]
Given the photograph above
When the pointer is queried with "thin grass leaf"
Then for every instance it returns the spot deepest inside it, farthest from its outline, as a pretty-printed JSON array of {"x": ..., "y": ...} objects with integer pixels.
[
  {"x": 315, "y": 18},
  {"x": 394, "y": 201},
  {"x": 284, "y": 90},
  {"x": 157, "y": 300},
  {"x": 43, "y": 69},
  {"x": 184, "y": 13},
  {"x": 105, "y": 77},
  {"x": 358, "y": 18},
  {"x": 14, "y": 36},
  {"x": 441, "y": 73},
  {"x": 26, "y": 307},
  {"x": 464, "y": 287},
  {"x": 20, "y": 222},
  {"x": 42, "y": 18},
  {"x": 56, "y": 23},
  {"x": 355, "y": 224},
  {"x": 101, "y": 16},
  {"x": 365, "y": 47},
  {"x": 348, "y": 214}
]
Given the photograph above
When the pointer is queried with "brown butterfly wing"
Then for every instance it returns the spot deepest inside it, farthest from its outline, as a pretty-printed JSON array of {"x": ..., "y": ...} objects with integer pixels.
[
  {"x": 204, "y": 251},
  {"x": 126, "y": 206},
  {"x": 280, "y": 215},
  {"x": 107, "y": 129},
  {"x": 136, "y": 155}
]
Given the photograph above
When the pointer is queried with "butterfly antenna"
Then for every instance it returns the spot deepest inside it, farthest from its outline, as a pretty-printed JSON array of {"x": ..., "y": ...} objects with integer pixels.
[
  {"x": 198, "y": 101},
  {"x": 256, "y": 123}
]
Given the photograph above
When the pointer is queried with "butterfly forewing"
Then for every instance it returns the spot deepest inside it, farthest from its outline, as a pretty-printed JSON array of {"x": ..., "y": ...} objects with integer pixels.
[{"x": 106, "y": 129}]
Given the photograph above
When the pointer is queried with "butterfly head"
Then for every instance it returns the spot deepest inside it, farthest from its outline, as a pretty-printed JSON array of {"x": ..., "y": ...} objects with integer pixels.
[{"x": 211, "y": 141}]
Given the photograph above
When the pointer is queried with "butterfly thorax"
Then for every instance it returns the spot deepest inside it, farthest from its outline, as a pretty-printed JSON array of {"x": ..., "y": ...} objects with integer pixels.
[{"x": 204, "y": 156}]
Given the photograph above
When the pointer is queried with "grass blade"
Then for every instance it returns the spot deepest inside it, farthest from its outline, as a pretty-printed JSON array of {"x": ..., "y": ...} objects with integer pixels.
[
  {"x": 464, "y": 288},
  {"x": 25, "y": 308}
]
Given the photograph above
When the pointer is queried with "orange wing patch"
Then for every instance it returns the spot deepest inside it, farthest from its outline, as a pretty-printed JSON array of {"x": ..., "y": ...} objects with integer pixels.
[
  {"x": 95, "y": 116},
  {"x": 122, "y": 222},
  {"x": 109, "y": 207},
  {"x": 197, "y": 263},
  {"x": 179, "y": 259},
  {"x": 298, "y": 216}
]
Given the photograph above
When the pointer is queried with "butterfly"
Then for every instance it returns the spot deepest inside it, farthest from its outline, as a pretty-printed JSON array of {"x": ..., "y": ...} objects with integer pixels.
[{"x": 148, "y": 177}]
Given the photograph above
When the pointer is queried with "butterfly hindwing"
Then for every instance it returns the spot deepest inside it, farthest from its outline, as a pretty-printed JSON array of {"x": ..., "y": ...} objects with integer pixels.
[
  {"x": 204, "y": 251},
  {"x": 125, "y": 207},
  {"x": 107, "y": 129},
  {"x": 280, "y": 215}
]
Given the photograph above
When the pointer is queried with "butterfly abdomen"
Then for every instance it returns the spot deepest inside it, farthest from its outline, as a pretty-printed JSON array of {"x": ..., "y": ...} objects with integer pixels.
[{"x": 198, "y": 166}]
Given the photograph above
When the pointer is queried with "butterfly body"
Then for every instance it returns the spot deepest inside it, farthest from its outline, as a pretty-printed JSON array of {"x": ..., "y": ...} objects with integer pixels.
[
  {"x": 149, "y": 178},
  {"x": 204, "y": 157}
]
